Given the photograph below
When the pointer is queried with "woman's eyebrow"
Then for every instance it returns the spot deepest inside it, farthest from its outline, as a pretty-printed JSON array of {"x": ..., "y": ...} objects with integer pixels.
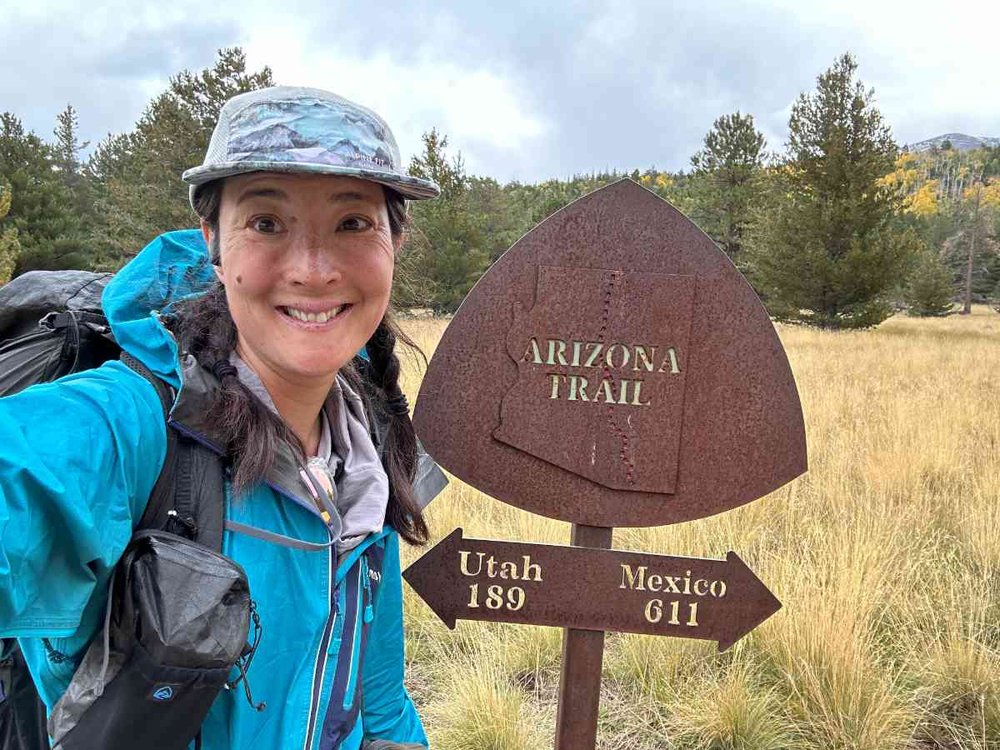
[
  {"x": 347, "y": 195},
  {"x": 261, "y": 193},
  {"x": 275, "y": 193}
]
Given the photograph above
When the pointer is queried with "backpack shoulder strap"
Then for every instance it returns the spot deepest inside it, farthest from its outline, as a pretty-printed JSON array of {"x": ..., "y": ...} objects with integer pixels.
[{"x": 188, "y": 498}]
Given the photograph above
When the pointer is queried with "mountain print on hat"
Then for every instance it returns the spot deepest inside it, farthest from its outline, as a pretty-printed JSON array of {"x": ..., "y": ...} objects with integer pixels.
[{"x": 302, "y": 130}]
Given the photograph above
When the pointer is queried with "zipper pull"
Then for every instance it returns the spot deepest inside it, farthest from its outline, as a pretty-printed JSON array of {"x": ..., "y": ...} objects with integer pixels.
[
  {"x": 369, "y": 610},
  {"x": 307, "y": 480}
]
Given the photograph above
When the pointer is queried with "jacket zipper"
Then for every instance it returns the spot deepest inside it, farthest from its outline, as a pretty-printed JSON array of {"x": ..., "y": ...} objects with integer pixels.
[
  {"x": 364, "y": 613},
  {"x": 361, "y": 617},
  {"x": 319, "y": 668},
  {"x": 369, "y": 607}
]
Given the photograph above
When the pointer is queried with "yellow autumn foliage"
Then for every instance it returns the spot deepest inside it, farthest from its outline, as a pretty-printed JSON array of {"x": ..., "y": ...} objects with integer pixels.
[
  {"x": 9, "y": 246},
  {"x": 989, "y": 194},
  {"x": 657, "y": 181},
  {"x": 923, "y": 202},
  {"x": 903, "y": 180}
]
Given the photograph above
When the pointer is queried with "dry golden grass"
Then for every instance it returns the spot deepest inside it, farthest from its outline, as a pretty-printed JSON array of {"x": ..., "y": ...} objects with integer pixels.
[{"x": 886, "y": 556}]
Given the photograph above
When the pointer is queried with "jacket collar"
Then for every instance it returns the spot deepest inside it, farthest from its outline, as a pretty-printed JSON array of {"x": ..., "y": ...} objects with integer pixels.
[{"x": 199, "y": 391}]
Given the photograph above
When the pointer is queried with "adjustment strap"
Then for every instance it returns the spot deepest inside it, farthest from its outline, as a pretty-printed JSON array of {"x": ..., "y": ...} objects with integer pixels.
[{"x": 284, "y": 541}]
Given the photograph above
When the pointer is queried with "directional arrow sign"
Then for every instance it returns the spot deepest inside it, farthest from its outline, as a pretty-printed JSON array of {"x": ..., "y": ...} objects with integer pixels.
[{"x": 591, "y": 589}]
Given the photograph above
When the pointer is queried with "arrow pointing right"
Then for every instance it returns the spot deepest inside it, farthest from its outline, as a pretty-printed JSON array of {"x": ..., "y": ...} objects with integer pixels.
[{"x": 591, "y": 589}]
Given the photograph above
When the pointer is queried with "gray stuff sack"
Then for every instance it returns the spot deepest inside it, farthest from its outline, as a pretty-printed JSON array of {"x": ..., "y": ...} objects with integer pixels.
[{"x": 177, "y": 622}]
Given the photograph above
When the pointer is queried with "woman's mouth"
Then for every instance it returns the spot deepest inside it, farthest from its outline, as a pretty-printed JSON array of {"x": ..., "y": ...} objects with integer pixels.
[{"x": 321, "y": 317}]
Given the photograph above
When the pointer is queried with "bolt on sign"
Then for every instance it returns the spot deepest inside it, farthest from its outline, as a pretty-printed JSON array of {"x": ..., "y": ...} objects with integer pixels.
[{"x": 613, "y": 368}]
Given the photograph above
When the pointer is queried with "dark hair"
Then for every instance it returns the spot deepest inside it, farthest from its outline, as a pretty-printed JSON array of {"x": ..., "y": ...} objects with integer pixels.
[{"x": 252, "y": 431}]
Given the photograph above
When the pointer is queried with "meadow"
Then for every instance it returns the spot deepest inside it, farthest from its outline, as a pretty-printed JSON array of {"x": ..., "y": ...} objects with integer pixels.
[{"x": 886, "y": 556}]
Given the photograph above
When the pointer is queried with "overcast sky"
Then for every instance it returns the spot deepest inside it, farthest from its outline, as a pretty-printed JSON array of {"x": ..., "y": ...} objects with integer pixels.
[{"x": 525, "y": 90}]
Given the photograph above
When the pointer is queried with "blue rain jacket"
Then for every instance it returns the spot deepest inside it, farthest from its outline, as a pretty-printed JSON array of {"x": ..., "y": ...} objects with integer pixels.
[{"x": 78, "y": 459}]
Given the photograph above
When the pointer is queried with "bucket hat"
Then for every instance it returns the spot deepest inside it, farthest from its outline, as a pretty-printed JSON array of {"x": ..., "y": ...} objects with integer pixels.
[{"x": 302, "y": 130}]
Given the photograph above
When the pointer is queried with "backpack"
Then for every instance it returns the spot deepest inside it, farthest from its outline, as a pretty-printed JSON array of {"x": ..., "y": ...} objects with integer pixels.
[{"x": 52, "y": 324}]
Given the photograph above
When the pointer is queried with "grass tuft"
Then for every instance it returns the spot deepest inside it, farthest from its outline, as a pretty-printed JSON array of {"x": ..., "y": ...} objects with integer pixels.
[
  {"x": 734, "y": 712},
  {"x": 481, "y": 710}
]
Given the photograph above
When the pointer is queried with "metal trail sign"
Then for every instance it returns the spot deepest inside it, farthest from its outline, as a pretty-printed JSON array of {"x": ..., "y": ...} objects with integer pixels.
[
  {"x": 588, "y": 589},
  {"x": 613, "y": 368}
]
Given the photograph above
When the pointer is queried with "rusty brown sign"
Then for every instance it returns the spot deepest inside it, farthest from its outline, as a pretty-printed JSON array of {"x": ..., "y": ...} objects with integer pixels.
[
  {"x": 613, "y": 368},
  {"x": 591, "y": 589}
]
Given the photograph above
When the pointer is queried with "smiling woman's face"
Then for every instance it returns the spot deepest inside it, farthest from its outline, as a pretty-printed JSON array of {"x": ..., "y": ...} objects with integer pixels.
[{"x": 307, "y": 265}]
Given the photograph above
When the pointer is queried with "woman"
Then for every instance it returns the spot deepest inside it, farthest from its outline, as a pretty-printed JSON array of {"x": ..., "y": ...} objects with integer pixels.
[{"x": 255, "y": 321}]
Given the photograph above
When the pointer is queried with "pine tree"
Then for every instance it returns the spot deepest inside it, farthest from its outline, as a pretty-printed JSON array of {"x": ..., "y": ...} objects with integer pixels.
[
  {"x": 49, "y": 231},
  {"x": 66, "y": 158},
  {"x": 448, "y": 251},
  {"x": 201, "y": 95},
  {"x": 141, "y": 193},
  {"x": 827, "y": 253},
  {"x": 725, "y": 181},
  {"x": 931, "y": 288},
  {"x": 67, "y": 148},
  {"x": 977, "y": 213}
]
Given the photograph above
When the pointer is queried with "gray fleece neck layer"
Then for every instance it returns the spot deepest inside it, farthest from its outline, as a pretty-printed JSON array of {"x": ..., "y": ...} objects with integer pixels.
[{"x": 346, "y": 476}]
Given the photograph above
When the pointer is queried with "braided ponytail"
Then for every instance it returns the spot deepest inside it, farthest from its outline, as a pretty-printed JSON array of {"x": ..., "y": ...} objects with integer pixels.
[
  {"x": 399, "y": 454},
  {"x": 249, "y": 430}
]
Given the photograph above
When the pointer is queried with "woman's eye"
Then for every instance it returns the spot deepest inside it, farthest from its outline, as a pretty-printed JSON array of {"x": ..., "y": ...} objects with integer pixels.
[
  {"x": 266, "y": 224},
  {"x": 355, "y": 224}
]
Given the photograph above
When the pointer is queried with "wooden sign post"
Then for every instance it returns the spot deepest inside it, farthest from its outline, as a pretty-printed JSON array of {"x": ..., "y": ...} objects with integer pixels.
[{"x": 612, "y": 368}]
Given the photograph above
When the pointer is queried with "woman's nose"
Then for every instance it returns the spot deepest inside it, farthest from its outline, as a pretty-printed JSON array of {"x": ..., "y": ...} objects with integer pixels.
[{"x": 314, "y": 263}]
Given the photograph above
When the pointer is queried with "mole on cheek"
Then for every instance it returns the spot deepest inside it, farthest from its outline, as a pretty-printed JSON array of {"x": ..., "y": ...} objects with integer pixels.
[{"x": 239, "y": 279}]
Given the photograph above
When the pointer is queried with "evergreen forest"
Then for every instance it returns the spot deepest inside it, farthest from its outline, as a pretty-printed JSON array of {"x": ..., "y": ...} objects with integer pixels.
[{"x": 838, "y": 227}]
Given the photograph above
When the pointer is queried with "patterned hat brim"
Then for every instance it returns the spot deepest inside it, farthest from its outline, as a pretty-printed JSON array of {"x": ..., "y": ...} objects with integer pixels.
[{"x": 408, "y": 186}]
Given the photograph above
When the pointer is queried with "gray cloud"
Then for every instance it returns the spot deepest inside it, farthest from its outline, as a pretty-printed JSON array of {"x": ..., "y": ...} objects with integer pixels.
[
  {"x": 108, "y": 73},
  {"x": 620, "y": 84},
  {"x": 625, "y": 85}
]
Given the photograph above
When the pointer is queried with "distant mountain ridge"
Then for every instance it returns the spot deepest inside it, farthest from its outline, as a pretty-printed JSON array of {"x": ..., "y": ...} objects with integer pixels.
[{"x": 959, "y": 142}]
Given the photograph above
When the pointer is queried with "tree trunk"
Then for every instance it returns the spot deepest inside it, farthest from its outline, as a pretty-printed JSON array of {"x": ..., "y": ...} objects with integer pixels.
[{"x": 967, "y": 306}]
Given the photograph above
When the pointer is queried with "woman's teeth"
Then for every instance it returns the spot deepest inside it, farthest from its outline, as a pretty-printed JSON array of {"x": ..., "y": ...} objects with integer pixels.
[{"x": 308, "y": 317}]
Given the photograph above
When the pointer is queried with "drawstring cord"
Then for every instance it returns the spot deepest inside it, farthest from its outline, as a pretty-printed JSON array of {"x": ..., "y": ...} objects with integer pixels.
[{"x": 246, "y": 659}]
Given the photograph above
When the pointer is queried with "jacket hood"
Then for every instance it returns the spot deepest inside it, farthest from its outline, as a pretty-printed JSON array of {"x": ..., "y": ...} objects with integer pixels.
[{"x": 172, "y": 268}]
